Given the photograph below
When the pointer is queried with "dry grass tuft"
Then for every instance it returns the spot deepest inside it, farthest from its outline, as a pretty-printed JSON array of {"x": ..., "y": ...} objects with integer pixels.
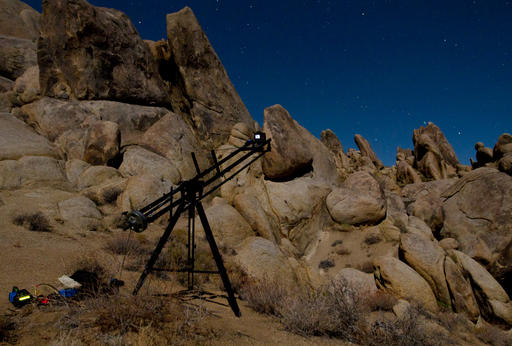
[
  {"x": 326, "y": 264},
  {"x": 123, "y": 246},
  {"x": 371, "y": 239},
  {"x": 34, "y": 221}
]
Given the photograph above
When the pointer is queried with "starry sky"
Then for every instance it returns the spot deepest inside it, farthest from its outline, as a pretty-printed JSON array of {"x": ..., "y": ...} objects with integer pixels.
[{"x": 378, "y": 68}]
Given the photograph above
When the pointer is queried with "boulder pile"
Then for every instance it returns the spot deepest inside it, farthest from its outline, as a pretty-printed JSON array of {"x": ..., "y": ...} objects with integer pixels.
[{"x": 95, "y": 121}]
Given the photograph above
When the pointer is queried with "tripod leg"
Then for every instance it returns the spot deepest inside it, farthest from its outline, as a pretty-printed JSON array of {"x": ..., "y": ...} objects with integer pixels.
[
  {"x": 158, "y": 248},
  {"x": 218, "y": 259}
]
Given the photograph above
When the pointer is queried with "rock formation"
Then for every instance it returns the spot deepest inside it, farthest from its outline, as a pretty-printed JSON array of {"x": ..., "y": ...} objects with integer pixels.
[{"x": 89, "y": 142}]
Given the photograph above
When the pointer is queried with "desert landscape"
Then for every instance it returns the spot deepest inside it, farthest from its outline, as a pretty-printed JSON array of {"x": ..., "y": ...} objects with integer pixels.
[{"x": 322, "y": 244}]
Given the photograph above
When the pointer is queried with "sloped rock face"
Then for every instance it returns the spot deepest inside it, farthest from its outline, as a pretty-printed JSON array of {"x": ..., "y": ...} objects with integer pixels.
[
  {"x": 493, "y": 300},
  {"x": 295, "y": 151},
  {"x": 139, "y": 161},
  {"x": 215, "y": 106},
  {"x": 478, "y": 214},
  {"x": 367, "y": 151},
  {"x": 17, "y": 19},
  {"x": 358, "y": 201},
  {"x": 18, "y": 140},
  {"x": 97, "y": 54},
  {"x": 397, "y": 277},
  {"x": 463, "y": 299},
  {"x": 331, "y": 141},
  {"x": 435, "y": 157}
]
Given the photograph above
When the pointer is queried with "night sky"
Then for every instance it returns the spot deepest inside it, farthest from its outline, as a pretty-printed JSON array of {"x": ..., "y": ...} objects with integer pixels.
[{"x": 377, "y": 68}]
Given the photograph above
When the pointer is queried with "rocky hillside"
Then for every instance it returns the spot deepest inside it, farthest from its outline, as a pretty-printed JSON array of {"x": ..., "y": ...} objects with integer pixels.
[{"x": 96, "y": 121}]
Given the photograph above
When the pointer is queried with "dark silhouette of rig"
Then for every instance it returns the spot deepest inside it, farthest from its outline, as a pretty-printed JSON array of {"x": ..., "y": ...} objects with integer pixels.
[{"x": 187, "y": 196}]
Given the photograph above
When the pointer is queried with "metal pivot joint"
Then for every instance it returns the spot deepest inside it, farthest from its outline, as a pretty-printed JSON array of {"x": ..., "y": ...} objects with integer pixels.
[{"x": 191, "y": 193}]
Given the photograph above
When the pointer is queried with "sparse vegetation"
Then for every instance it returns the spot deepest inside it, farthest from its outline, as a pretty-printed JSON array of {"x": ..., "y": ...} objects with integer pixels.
[
  {"x": 337, "y": 242},
  {"x": 366, "y": 267},
  {"x": 343, "y": 251},
  {"x": 34, "y": 221},
  {"x": 123, "y": 245},
  {"x": 326, "y": 264},
  {"x": 371, "y": 239},
  {"x": 338, "y": 310},
  {"x": 110, "y": 194}
]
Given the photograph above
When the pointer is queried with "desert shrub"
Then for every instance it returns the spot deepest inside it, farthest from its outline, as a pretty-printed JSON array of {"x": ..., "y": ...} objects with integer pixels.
[
  {"x": 366, "y": 267},
  {"x": 34, "y": 221},
  {"x": 343, "y": 251},
  {"x": 110, "y": 194},
  {"x": 371, "y": 239},
  {"x": 237, "y": 276},
  {"x": 333, "y": 310},
  {"x": 6, "y": 329},
  {"x": 123, "y": 245},
  {"x": 326, "y": 264},
  {"x": 337, "y": 242},
  {"x": 409, "y": 329},
  {"x": 493, "y": 335},
  {"x": 381, "y": 301},
  {"x": 265, "y": 296}
]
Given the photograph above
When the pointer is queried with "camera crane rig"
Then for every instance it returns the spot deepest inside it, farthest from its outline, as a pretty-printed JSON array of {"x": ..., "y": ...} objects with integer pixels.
[{"x": 192, "y": 192}]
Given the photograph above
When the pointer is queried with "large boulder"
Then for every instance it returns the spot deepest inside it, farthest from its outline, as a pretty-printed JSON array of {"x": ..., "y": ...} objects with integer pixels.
[
  {"x": 295, "y": 151},
  {"x": 493, "y": 300},
  {"x": 358, "y": 201},
  {"x": 18, "y": 140},
  {"x": 139, "y": 161},
  {"x": 174, "y": 139},
  {"x": 263, "y": 260},
  {"x": 400, "y": 279},
  {"x": 423, "y": 200},
  {"x": 478, "y": 214},
  {"x": 19, "y": 20},
  {"x": 102, "y": 142},
  {"x": 426, "y": 257},
  {"x": 362, "y": 283},
  {"x": 366, "y": 150},
  {"x": 81, "y": 213},
  {"x": 228, "y": 226},
  {"x": 196, "y": 68},
  {"x": 141, "y": 190},
  {"x": 26, "y": 87},
  {"x": 88, "y": 52},
  {"x": 435, "y": 157},
  {"x": 463, "y": 299},
  {"x": 16, "y": 56}
]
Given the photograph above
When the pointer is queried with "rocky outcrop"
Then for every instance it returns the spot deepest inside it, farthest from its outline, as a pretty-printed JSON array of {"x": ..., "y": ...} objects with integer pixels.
[
  {"x": 463, "y": 299},
  {"x": 362, "y": 283},
  {"x": 366, "y": 150},
  {"x": 81, "y": 213},
  {"x": 194, "y": 67},
  {"x": 478, "y": 214},
  {"x": 435, "y": 157},
  {"x": 139, "y": 161},
  {"x": 295, "y": 151},
  {"x": 358, "y": 201},
  {"x": 16, "y": 56},
  {"x": 493, "y": 300},
  {"x": 502, "y": 153},
  {"x": 423, "y": 200},
  {"x": 17, "y": 19},
  {"x": 31, "y": 171},
  {"x": 102, "y": 142},
  {"x": 405, "y": 173},
  {"x": 427, "y": 259},
  {"x": 331, "y": 141},
  {"x": 400, "y": 279},
  {"x": 96, "y": 55}
]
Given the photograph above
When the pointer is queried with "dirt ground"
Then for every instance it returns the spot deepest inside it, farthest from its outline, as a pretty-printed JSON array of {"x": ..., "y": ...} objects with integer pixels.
[{"x": 29, "y": 258}]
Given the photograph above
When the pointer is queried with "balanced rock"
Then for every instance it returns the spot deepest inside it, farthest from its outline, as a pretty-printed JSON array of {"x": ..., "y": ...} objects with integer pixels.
[
  {"x": 358, "y": 201},
  {"x": 366, "y": 150},
  {"x": 88, "y": 52},
  {"x": 400, "y": 279},
  {"x": 295, "y": 151},
  {"x": 484, "y": 155},
  {"x": 435, "y": 157},
  {"x": 478, "y": 215},
  {"x": 215, "y": 104}
]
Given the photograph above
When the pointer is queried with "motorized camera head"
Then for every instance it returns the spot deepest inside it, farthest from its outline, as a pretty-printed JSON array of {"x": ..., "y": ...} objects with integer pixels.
[{"x": 259, "y": 137}]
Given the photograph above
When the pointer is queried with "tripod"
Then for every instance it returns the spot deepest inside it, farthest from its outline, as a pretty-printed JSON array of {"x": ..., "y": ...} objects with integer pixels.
[{"x": 192, "y": 193}]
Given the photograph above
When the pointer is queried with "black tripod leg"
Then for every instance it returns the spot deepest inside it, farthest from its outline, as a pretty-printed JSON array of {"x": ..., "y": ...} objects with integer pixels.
[
  {"x": 218, "y": 259},
  {"x": 159, "y": 247}
]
